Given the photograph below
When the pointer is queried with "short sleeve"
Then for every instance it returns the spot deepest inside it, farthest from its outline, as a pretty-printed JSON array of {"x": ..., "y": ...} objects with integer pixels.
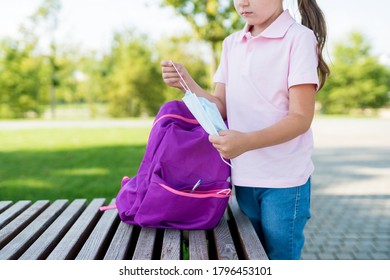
[{"x": 303, "y": 60}]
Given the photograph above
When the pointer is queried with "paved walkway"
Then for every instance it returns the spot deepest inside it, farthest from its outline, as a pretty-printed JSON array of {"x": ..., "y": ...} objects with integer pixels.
[{"x": 350, "y": 190}]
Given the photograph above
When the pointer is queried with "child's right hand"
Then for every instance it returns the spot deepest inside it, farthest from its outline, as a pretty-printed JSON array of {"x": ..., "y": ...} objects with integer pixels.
[
  {"x": 230, "y": 143},
  {"x": 171, "y": 77}
]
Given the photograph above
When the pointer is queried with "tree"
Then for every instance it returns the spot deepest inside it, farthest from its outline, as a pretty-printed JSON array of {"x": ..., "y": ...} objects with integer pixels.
[
  {"x": 211, "y": 20},
  {"x": 22, "y": 79},
  {"x": 183, "y": 49},
  {"x": 35, "y": 70},
  {"x": 47, "y": 16},
  {"x": 89, "y": 80},
  {"x": 357, "y": 80},
  {"x": 134, "y": 77}
]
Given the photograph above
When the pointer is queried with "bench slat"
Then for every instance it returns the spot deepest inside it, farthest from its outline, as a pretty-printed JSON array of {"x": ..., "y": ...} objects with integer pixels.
[
  {"x": 4, "y": 205},
  {"x": 20, "y": 222},
  {"x": 47, "y": 241},
  {"x": 23, "y": 240},
  {"x": 145, "y": 244},
  {"x": 75, "y": 237},
  {"x": 12, "y": 212},
  {"x": 198, "y": 245},
  {"x": 224, "y": 242},
  {"x": 171, "y": 247},
  {"x": 120, "y": 243},
  {"x": 92, "y": 248},
  {"x": 250, "y": 243}
]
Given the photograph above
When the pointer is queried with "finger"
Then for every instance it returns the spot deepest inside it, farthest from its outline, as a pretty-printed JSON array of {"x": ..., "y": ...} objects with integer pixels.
[
  {"x": 177, "y": 66},
  {"x": 223, "y": 132},
  {"x": 173, "y": 82},
  {"x": 214, "y": 139},
  {"x": 217, "y": 147},
  {"x": 166, "y": 63},
  {"x": 169, "y": 70},
  {"x": 168, "y": 75}
]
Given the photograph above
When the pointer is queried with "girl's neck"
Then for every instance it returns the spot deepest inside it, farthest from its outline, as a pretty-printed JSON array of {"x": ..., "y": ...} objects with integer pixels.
[{"x": 257, "y": 29}]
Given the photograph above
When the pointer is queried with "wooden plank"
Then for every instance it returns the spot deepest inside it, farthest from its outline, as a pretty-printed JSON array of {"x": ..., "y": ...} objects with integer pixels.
[
  {"x": 78, "y": 233},
  {"x": 250, "y": 242},
  {"x": 145, "y": 244},
  {"x": 20, "y": 222},
  {"x": 94, "y": 245},
  {"x": 120, "y": 243},
  {"x": 23, "y": 240},
  {"x": 224, "y": 242},
  {"x": 198, "y": 245},
  {"x": 171, "y": 247},
  {"x": 4, "y": 205},
  {"x": 41, "y": 248},
  {"x": 12, "y": 212}
]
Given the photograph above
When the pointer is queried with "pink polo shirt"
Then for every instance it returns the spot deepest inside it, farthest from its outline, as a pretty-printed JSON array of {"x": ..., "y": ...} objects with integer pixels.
[{"x": 257, "y": 73}]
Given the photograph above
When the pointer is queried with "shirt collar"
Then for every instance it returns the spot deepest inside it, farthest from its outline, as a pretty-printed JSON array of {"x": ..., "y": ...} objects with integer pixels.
[{"x": 276, "y": 29}]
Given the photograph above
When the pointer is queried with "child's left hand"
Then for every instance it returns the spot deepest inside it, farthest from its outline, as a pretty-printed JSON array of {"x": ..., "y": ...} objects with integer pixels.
[{"x": 229, "y": 143}]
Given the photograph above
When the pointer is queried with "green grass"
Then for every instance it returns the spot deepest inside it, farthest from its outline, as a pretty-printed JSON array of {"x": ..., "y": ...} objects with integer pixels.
[{"x": 68, "y": 163}]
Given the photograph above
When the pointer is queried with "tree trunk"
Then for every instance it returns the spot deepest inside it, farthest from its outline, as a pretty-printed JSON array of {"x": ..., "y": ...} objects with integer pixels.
[{"x": 53, "y": 101}]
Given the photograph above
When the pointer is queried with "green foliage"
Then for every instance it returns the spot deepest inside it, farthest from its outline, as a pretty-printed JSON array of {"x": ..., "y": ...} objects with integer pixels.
[
  {"x": 183, "y": 49},
  {"x": 87, "y": 83},
  {"x": 22, "y": 79},
  {"x": 212, "y": 21},
  {"x": 134, "y": 78},
  {"x": 357, "y": 81}
]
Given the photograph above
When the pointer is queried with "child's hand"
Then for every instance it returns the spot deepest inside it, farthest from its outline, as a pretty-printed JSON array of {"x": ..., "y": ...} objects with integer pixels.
[
  {"x": 229, "y": 143},
  {"x": 171, "y": 77}
]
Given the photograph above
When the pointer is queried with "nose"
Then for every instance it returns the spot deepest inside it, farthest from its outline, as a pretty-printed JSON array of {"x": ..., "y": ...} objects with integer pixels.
[{"x": 243, "y": 3}]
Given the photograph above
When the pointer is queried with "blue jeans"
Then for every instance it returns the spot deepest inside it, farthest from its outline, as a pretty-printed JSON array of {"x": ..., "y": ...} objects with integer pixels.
[{"x": 279, "y": 216}]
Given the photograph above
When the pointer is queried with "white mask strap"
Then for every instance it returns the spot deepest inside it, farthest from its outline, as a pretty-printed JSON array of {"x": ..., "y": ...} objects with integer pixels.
[{"x": 185, "y": 86}]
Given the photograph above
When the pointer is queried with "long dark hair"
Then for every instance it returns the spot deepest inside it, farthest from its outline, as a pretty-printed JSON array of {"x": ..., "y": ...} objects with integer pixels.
[{"x": 313, "y": 18}]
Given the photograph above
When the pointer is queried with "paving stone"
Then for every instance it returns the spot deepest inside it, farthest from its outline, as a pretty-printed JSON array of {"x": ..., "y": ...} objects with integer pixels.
[
  {"x": 380, "y": 256},
  {"x": 310, "y": 256},
  {"x": 326, "y": 256},
  {"x": 344, "y": 256},
  {"x": 362, "y": 255}
]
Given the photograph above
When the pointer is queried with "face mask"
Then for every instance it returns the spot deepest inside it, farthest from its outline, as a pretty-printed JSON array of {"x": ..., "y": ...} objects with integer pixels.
[{"x": 205, "y": 112}]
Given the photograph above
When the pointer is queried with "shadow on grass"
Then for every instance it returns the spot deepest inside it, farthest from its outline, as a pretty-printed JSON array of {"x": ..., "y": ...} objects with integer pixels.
[{"x": 77, "y": 173}]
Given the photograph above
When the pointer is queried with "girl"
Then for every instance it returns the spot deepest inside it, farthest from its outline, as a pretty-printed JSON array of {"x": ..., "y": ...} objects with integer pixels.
[{"x": 266, "y": 84}]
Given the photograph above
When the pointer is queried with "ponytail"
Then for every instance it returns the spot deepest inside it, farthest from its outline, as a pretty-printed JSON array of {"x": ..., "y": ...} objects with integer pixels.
[{"x": 313, "y": 18}]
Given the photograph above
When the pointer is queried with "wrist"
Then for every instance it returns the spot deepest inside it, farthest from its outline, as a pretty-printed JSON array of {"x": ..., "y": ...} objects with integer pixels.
[{"x": 252, "y": 140}]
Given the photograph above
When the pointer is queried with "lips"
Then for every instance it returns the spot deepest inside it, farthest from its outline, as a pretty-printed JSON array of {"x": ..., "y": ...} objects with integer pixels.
[{"x": 246, "y": 14}]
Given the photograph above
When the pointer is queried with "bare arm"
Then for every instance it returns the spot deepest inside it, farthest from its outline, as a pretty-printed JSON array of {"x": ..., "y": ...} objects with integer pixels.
[
  {"x": 301, "y": 111},
  {"x": 172, "y": 78}
]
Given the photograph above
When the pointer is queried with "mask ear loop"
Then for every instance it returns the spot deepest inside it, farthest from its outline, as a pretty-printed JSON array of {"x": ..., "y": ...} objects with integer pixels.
[
  {"x": 185, "y": 86},
  {"x": 225, "y": 161}
]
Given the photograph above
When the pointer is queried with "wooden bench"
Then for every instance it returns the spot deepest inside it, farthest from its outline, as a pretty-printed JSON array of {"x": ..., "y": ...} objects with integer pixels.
[{"x": 78, "y": 230}]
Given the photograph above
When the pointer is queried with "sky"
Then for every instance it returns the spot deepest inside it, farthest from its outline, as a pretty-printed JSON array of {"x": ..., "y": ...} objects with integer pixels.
[{"x": 91, "y": 23}]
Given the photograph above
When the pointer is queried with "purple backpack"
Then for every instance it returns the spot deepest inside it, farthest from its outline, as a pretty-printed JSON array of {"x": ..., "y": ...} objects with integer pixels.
[{"x": 182, "y": 181}]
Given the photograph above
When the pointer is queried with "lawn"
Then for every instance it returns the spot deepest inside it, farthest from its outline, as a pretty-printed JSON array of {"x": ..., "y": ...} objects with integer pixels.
[{"x": 56, "y": 163}]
